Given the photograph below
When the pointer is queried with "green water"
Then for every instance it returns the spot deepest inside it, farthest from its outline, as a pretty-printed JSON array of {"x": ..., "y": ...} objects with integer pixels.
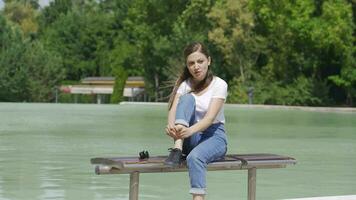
[{"x": 45, "y": 151}]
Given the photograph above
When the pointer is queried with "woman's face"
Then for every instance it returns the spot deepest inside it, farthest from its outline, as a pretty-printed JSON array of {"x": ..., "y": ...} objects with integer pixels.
[{"x": 198, "y": 65}]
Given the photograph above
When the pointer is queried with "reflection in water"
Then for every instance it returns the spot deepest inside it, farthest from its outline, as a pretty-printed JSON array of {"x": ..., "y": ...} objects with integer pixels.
[
  {"x": 51, "y": 180},
  {"x": 1, "y": 190}
]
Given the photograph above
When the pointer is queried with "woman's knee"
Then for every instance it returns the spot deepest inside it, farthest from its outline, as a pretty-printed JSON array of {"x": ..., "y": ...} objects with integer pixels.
[
  {"x": 187, "y": 98},
  {"x": 194, "y": 159}
]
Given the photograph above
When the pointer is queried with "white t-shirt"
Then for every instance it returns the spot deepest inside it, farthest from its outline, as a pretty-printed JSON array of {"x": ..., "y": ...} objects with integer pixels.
[{"x": 216, "y": 89}]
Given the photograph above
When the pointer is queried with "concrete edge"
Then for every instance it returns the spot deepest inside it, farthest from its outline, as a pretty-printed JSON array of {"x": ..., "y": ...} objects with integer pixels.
[{"x": 347, "y": 197}]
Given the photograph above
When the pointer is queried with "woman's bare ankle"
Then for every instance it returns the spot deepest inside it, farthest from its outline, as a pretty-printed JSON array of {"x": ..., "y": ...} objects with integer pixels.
[
  {"x": 178, "y": 144},
  {"x": 198, "y": 197}
]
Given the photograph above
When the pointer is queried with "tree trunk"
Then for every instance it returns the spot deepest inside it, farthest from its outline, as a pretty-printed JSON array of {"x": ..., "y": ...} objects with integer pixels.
[
  {"x": 349, "y": 100},
  {"x": 156, "y": 86},
  {"x": 242, "y": 71}
]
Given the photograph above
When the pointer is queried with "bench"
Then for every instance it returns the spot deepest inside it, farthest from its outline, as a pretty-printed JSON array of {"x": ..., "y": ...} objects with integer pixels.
[{"x": 135, "y": 166}]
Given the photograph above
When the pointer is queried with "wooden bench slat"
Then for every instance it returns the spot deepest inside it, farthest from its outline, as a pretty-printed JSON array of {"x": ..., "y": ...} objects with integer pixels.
[
  {"x": 135, "y": 166},
  {"x": 156, "y": 164}
]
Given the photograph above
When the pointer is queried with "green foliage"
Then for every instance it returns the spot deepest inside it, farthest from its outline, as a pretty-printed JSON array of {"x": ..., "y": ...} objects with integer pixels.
[
  {"x": 23, "y": 14},
  {"x": 28, "y": 72},
  {"x": 124, "y": 54},
  {"x": 77, "y": 98},
  {"x": 12, "y": 74},
  {"x": 339, "y": 37},
  {"x": 52, "y": 13},
  {"x": 299, "y": 93},
  {"x": 290, "y": 52},
  {"x": 44, "y": 72},
  {"x": 238, "y": 91},
  {"x": 149, "y": 26},
  {"x": 232, "y": 33},
  {"x": 192, "y": 23},
  {"x": 304, "y": 39},
  {"x": 33, "y": 3},
  {"x": 84, "y": 40}
]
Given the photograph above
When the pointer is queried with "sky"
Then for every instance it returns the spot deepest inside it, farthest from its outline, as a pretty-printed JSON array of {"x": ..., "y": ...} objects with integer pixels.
[{"x": 42, "y": 3}]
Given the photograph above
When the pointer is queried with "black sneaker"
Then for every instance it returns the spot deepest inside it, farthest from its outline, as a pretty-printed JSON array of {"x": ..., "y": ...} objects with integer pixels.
[{"x": 175, "y": 158}]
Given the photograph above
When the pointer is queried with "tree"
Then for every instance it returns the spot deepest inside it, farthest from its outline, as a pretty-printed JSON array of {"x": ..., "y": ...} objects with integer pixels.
[
  {"x": 12, "y": 74},
  {"x": 149, "y": 25},
  {"x": 339, "y": 37},
  {"x": 33, "y": 3},
  {"x": 83, "y": 37},
  {"x": 232, "y": 33},
  {"x": 44, "y": 72},
  {"x": 304, "y": 39},
  {"x": 28, "y": 72},
  {"x": 23, "y": 14},
  {"x": 53, "y": 12}
]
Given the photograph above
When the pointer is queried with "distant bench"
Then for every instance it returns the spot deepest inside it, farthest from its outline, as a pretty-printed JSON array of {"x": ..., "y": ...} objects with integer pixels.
[{"x": 134, "y": 166}]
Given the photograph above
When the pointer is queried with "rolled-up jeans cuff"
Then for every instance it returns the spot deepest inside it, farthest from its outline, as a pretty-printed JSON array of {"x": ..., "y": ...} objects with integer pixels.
[
  {"x": 182, "y": 121},
  {"x": 201, "y": 191}
]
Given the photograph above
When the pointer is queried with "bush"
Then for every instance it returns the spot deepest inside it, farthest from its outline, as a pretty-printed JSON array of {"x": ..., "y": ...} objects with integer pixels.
[
  {"x": 301, "y": 92},
  {"x": 237, "y": 92}
]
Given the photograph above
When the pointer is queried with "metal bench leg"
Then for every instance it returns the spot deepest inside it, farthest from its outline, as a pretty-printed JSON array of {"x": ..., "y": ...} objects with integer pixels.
[
  {"x": 251, "y": 184},
  {"x": 134, "y": 182}
]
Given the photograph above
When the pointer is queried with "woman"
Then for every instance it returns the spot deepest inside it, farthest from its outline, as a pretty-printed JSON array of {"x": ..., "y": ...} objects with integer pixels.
[{"x": 196, "y": 118}]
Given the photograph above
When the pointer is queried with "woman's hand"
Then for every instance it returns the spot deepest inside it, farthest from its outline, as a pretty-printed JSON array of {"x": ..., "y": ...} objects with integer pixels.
[
  {"x": 182, "y": 131},
  {"x": 171, "y": 131}
]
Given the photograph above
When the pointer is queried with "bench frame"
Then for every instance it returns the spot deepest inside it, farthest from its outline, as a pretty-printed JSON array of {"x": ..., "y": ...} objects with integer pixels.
[{"x": 260, "y": 161}]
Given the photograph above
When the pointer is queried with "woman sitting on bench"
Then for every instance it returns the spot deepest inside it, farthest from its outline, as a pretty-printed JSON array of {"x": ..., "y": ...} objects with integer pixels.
[{"x": 196, "y": 118}]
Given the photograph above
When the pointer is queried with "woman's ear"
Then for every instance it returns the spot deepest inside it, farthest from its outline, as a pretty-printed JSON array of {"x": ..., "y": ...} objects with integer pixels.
[{"x": 209, "y": 60}]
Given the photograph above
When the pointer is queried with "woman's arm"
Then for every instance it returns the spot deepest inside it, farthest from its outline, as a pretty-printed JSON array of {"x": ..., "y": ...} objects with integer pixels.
[
  {"x": 214, "y": 108},
  {"x": 170, "y": 130}
]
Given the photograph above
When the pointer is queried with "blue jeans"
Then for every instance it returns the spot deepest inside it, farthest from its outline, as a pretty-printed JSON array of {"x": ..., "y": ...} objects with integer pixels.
[{"x": 202, "y": 147}]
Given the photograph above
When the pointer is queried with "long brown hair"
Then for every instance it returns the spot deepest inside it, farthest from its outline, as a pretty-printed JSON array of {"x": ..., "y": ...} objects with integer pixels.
[{"x": 189, "y": 49}]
